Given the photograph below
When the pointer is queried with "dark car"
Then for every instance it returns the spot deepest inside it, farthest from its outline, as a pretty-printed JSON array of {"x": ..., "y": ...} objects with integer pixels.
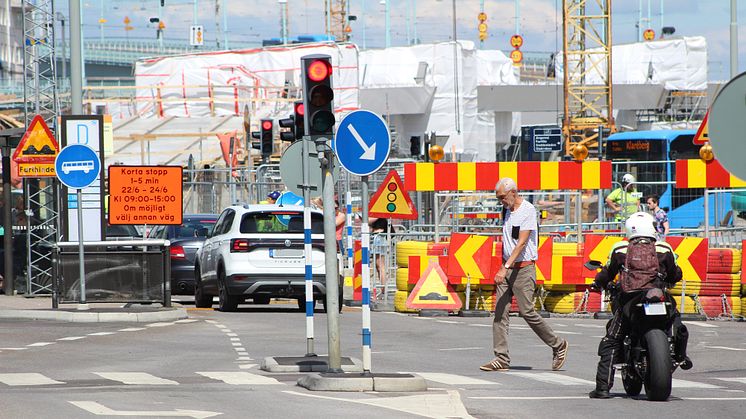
[{"x": 185, "y": 240}]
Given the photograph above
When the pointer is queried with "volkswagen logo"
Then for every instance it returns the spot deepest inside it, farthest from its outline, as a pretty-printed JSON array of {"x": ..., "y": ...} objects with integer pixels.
[{"x": 288, "y": 243}]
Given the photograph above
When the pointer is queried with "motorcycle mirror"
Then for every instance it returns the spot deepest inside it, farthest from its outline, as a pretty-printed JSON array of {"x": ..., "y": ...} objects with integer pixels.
[{"x": 593, "y": 265}]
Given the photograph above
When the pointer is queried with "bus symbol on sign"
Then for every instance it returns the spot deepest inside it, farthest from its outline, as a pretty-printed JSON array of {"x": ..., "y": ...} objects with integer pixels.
[{"x": 84, "y": 166}]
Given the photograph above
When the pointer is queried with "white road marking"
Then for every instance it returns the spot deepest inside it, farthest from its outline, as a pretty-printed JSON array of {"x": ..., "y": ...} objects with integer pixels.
[
  {"x": 186, "y": 321},
  {"x": 239, "y": 378},
  {"x": 41, "y": 344},
  {"x": 552, "y": 378},
  {"x": 599, "y": 326},
  {"x": 135, "y": 378},
  {"x": 449, "y": 321},
  {"x": 715, "y": 398},
  {"x": 160, "y": 324},
  {"x": 480, "y": 325},
  {"x": 132, "y": 329},
  {"x": 246, "y": 366},
  {"x": 691, "y": 384},
  {"x": 231, "y": 334},
  {"x": 560, "y": 325},
  {"x": 235, "y": 339},
  {"x": 430, "y": 405},
  {"x": 726, "y": 348},
  {"x": 461, "y": 349},
  {"x": 211, "y": 321},
  {"x": 101, "y": 333},
  {"x": 72, "y": 338},
  {"x": 236, "y": 344},
  {"x": 565, "y": 332},
  {"x": 220, "y": 326},
  {"x": 244, "y": 358},
  {"x": 27, "y": 379},
  {"x": 734, "y": 379},
  {"x": 700, "y": 324},
  {"x": 13, "y": 349},
  {"x": 453, "y": 379},
  {"x": 101, "y": 410}
]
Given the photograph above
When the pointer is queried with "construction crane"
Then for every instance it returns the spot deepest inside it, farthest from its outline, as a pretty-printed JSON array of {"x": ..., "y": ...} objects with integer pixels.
[
  {"x": 336, "y": 22},
  {"x": 587, "y": 74}
]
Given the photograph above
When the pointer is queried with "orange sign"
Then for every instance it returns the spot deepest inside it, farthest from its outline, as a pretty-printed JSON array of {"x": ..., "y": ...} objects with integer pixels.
[
  {"x": 433, "y": 292},
  {"x": 516, "y": 41},
  {"x": 702, "y": 135},
  {"x": 470, "y": 255},
  {"x": 517, "y": 56},
  {"x": 648, "y": 35},
  {"x": 37, "y": 150},
  {"x": 145, "y": 194},
  {"x": 391, "y": 200}
]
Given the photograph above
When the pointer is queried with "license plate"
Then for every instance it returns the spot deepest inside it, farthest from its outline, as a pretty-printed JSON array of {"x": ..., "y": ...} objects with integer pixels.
[
  {"x": 285, "y": 253},
  {"x": 655, "y": 309}
]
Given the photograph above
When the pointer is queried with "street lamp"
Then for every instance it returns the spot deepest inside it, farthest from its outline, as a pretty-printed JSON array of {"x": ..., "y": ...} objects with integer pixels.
[{"x": 388, "y": 25}]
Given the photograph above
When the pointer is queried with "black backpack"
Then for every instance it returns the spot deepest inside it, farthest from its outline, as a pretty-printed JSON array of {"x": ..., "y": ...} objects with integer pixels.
[{"x": 641, "y": 269}]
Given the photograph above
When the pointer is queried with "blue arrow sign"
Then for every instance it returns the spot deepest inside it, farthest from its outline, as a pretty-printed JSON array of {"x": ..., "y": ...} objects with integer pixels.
[
  {"x": 362, "y": 143},
  {"x": 77, "y": 166},
  {"x": 288, "y": 198}
]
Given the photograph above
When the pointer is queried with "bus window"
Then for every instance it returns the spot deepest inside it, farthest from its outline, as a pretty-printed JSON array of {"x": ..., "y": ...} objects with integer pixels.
[
  {"x": 636, "y": 151},
  {"x": 682, "y": 149}
]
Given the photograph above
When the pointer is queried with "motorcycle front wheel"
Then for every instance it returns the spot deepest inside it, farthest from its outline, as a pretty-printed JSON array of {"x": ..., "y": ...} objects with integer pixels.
[{"x": 658, "y": 376}]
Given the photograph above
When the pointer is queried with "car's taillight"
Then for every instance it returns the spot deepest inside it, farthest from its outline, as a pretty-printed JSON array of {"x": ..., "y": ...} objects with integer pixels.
[
  {"x": 239, "y": 245},
  {"x": 177, "y": 252}
]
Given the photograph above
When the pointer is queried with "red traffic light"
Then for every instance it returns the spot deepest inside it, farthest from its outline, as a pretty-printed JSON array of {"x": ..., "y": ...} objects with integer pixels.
[
  {"x": 267, "y": 125},
  {"x": 300, "y": 109},
  {"x": 319, "y": 70}
]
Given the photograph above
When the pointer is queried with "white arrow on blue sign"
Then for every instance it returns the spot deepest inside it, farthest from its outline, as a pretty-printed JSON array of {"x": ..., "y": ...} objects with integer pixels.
[
  {"x": 362, "y": 143},
  {"x": 77, "y": 166}
]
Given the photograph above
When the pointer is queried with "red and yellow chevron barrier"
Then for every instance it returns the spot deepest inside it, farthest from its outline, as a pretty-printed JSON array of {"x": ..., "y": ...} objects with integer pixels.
[
  {"x": 692, "y": 256},
  {"x": 597, "y": 247},
  {"x": 357, "y": 270},
  {"x": 723, "y": 261},
  {"x": 719, "y": 284},
  {"x": 482, "y": 215},
  {"x": 697, "y": 173},
  {"x": 482, "y": 176}
]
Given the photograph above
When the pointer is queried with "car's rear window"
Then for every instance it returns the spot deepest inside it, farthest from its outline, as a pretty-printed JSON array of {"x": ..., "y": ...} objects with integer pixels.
[
  {"x": 190, "y": 228},
  {"x": 279, "y": 222}
]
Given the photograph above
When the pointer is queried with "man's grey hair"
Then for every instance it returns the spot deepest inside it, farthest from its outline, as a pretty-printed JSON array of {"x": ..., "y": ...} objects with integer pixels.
[{"x": 507, "y": 184}]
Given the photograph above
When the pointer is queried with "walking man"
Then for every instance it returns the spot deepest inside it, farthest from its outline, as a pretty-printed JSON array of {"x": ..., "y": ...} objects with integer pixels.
[{"x": 517, "y": 277}]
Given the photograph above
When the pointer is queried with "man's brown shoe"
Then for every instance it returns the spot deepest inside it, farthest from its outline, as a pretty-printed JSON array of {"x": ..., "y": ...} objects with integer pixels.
[
  {"x": 495, "y": 365},
  {"x": 560, "y": 355}
]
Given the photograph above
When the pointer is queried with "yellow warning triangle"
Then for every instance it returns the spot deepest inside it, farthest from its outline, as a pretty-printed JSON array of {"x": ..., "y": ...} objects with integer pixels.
[
  {"x": 433, "y": 292},
  {"x": 37, "y": 145},
  {"x": 391, "y": 200},
  {"x": 702, "y": 136}
]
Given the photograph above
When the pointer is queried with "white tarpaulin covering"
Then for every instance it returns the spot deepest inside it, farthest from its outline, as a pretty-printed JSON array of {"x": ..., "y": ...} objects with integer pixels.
[
  {"x": 677, "y": 64},
  {"x": 453, "y": 111},
  {"x": 222, "y": 83}
]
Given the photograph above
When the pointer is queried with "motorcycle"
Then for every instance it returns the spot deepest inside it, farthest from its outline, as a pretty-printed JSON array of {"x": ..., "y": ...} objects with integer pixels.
[{"x": 648, "y": 350}]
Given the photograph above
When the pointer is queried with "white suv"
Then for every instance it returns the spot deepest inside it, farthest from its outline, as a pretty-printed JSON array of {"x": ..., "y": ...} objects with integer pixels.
[{"x": 256, "y": 251}]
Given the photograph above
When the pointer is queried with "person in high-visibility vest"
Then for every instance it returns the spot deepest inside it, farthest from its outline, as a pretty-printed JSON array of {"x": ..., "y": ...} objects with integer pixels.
[{"x": 624, "y": 200}]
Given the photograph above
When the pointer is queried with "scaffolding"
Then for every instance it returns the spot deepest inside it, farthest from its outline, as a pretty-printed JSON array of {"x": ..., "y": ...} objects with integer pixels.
[
  {"x": 586, "y": 51},
  {"x": 40, "y": 98},
  {"x": 337, "y": 24}
]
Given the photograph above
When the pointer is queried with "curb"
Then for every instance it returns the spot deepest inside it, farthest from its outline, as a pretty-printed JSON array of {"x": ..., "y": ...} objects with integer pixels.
[
  {"x": 306, "y": 364},
  {"x": 89, "y": 317},
  {"x": 363, "y": 382}
]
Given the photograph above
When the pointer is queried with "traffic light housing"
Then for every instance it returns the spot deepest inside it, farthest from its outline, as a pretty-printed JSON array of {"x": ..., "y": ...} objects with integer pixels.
[
  {"x": 318, "y": 95},
  {"x": 266, "y": 137},
  {"x": 288, "y": 122},
  {"x": 300, "y": 129}
]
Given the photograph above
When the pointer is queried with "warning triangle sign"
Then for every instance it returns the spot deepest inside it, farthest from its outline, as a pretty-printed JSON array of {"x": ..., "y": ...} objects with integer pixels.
[
  {"x": 702, "y": 135},
  {"x": 391, "y": 200},
  {"x": 433, "y": 292},
  {"x": 38, "y": 145}
]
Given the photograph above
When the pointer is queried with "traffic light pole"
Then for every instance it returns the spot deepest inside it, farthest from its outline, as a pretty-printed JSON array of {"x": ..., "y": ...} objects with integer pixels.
[
  {"x": 330, "y": 244},
  {"x": 365, "y": 238},
  {"x": 307, "y": 249}
]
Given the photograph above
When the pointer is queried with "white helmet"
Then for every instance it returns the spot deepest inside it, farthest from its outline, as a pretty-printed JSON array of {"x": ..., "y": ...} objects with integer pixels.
[
  {"x": 628, "y": 178},
  {"x": 640, "y": 224}
]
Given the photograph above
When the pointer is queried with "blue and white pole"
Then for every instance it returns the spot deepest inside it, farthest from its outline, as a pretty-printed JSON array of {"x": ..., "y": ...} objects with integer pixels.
[
  {"x": 365, "y": 238},
  {"x": 350, "y": 252},
  {"x": 307, "y": 253}
]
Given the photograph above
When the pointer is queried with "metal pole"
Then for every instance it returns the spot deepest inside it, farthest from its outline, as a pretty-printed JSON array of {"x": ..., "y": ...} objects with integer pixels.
[
  {"x": 194, "y": 12},
  {"x": 407, "y": 22},
  {"x": 231, "y": 181},
  {"x": 64, "y": 49},
  {"x": 649, "y": 18},
  {"x": 362, "y": 11},
  {"x": 365, "y": 233},
  {"x": 225, "y": 24},
  {"x": 160, "y": 31},
  {"x": 661, "y": 27},
  {"x": 7, "y": 225},
  {"x": 332, "y": 278},
  {"x": 639, "y": 21},
  {"x": 307, "y": 249},
  {"x": 707, "y": 214},
  {"x": 388, "y": 24},
  {"x": 579, "y": 215},
  {"x": 81, "y": 261},
  {"x": 517, "y": 17},
  {"x": 733, "y": 38},
  {"x": 284, "y": 13},
  {"x": 350, "y": 250},
  {"x": 455, "y": 71},
  {"x": 436, "y": 211},
  {"x": 76, "y": 58},
  {"x": 415, "y": 41}
]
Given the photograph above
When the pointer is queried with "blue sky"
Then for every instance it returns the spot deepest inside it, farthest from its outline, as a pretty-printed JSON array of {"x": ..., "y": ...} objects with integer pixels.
[{"x": 540, "y": 21}]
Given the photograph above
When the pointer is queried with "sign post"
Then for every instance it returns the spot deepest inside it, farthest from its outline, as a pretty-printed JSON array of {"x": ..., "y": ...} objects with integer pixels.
[
  {"x": 362, "y": 145},
  {"x": 77, "y": 167}
]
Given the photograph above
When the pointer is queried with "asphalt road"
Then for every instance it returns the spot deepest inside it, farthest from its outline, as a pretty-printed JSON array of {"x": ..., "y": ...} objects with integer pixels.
[{"x": 208, "y": 366}]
